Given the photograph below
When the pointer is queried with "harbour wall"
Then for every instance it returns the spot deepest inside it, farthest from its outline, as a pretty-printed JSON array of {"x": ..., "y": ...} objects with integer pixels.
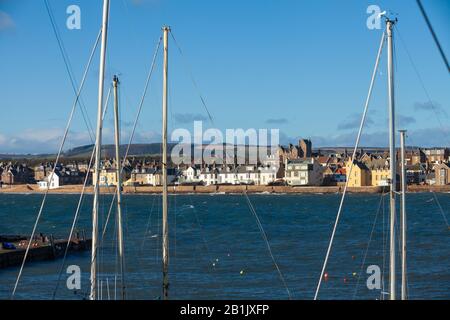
[{"x": 227, "y": 189}]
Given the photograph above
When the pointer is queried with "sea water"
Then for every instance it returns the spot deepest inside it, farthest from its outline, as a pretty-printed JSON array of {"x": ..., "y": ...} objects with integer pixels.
[{"x": 217, "y": 250}]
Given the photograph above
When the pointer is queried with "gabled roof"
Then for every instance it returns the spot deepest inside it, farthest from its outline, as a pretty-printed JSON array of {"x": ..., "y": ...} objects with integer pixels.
[
  {"x": 443, "y": 165},
  {"x": 323, "y": 159},
  {"x": 360, "y": 165},
  {"x": 340, "y": 171},
  {"x": 378, "y": 164}
]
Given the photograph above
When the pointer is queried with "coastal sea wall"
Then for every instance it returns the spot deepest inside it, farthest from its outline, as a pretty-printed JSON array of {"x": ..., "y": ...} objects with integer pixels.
[{"x": 221, "y": 189}]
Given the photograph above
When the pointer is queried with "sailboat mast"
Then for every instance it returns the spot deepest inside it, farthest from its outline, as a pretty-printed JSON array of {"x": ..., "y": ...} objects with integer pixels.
[
  {"x": 98, "y": 142},
  {"x": 119, "y": 186},
  {"x": 165, "y": 226},
  {"x": 403, "y": 213},
  {"x": 393, "y": 166}
]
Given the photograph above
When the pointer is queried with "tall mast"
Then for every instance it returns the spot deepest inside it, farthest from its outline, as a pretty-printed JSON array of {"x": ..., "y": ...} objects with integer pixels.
[
  {"x": 393, "y": 173},
  {"x": 98, "y": 142},
  {"x": 403, "y": 213},
  {"x": 119, "y": 187},
  {"x": 165, "y": 226}
]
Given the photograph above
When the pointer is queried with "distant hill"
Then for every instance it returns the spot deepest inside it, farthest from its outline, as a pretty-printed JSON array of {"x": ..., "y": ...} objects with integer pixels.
[
  {"x": 7, "y": 156},
  {"x": 84, "y": 152},
  {"x": 108, "y": 151}
]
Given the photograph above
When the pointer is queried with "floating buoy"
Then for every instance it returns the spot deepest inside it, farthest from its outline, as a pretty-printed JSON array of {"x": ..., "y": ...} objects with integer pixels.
[
  {"x": 228, "y": 254},
  {"x": 242, "y": 272},
  {"x": 354, "y": 274},
  {"x": 217, "y": 260},
  {"x": 214, "y": 264},
  {"x": 325, "y": 276}
]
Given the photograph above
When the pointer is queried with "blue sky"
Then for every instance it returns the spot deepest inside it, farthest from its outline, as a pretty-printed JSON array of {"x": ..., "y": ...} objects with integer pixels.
[{"x": 301, "y": 66}]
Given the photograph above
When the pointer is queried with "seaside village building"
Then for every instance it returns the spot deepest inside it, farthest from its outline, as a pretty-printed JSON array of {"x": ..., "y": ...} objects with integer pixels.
[
  {"x": 416, "y": 173},
  {"x": 303, "y": 172},
  {"x": 437, "y": 155},
  {"x": 151, "y": 176},
  {"x": 233, "y": 174},
  {"x": 108, "y": 174},
  {"x": 303, "y": 150},
  {"x": 372, "y": 171},
  {"x": 230, "y": 174},
  {"x": 379, "y": 172},
  {"x": 16, "y": 174},
  {"x": 359, "y": 175},
  {"x": 442, "y": 174},
  {"x": 62, "y": 176},
  {"x": 300, "y": 167}
]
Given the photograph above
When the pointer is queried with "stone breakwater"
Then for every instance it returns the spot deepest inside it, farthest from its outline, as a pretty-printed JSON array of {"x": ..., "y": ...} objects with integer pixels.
[{"x": 227, "y": 189}]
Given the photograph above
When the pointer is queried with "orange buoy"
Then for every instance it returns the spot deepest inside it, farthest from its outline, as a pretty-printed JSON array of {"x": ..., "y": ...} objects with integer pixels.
[{"x": 325, "y": 276}]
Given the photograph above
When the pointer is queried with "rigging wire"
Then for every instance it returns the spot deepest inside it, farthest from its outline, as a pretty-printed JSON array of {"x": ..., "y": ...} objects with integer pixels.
[
  {"x": 368, "y": 244},
  {"x": 430, "y": 102},
  {"x": 69, "y": 69},
  {"x": 436, "y": 40},
  {"x": 76, "y": 216},
  {"x": 192, "y": 77},
  {"x": 419, "y": 77},
  {"x": 131, "y": 138},
  {"x": 441, "y": 210},
  {"x": 142, "y": 100},
  {"x": 263, "y": 233},
  {"x": 50, "y": 177},
  {"x": 363, "y": 120},
  {"x": 244, "y": 193},
  {"x": 202, "y": 234},
  {"x": 147, "y": 235}
]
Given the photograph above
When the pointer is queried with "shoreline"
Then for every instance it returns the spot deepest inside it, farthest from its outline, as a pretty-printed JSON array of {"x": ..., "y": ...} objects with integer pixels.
[{"x": 218, "y": 189}]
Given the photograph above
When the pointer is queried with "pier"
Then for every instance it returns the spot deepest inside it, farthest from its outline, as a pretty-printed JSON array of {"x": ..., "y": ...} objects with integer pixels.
[{"x": 42, "y": 248}]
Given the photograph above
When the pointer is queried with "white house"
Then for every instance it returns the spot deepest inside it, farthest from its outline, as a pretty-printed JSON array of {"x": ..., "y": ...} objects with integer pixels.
[
  {"x": 267, "y": 174},
  {"x": 155, "y": 178},
  {"x": 190, "y": 174},
  {"x": 303, "y": 172},
  {"x": 209, "y": 176},
  {"x": 226, "y": 175},
  {"x": 244, "y": 174},
  {"x": 54, "y": 183}
]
